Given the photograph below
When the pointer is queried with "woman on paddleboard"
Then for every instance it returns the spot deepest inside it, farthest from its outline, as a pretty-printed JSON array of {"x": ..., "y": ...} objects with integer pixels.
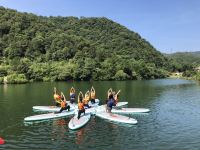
[
  {"x": 57, "y": 97},
  {"x": 109, "y": 93},
  {"x": 81, "y": 108},
  {"x": 110, "y": 103},
  {"x": 72, "y": 95},
  {"x": 93, "y": 96},
  {"x": 63, "y": 103},
  {"x": 87, "y": 99},
  {"x": 116, "y": 97}
]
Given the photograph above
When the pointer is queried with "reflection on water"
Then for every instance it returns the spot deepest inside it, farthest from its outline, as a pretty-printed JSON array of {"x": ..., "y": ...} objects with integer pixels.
[
  {"x": 79, "y": 136},
  {"x": 172, "y": 123}
]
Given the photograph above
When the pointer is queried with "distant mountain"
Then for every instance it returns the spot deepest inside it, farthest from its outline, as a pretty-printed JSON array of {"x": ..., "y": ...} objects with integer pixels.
[
  {"x": 186, "y": 57},
  {"x": 196, "y": 53},
  {"x": 65, "y": 48}
]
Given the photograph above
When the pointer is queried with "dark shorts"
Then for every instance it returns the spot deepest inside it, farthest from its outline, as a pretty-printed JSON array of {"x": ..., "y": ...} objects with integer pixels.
[
  {"x": 65, "y": 108},
  {"x": 72, "y": 101}
]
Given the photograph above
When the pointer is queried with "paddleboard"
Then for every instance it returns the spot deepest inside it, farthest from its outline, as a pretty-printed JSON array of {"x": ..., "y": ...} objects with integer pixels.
[
  {"x": 103, "y": 107},
  {"x": 76, "y": 123},
  {"x": 51, "y": 108},
  {"x": 94, "y": 104},
  {"x": 2, "y": 141},
  {"x": 130, "y": 110},
  {"x": 116, "y": 118},
  {"x": 49, "y": 116},
  {"x": 46, "y": 108},
  {"x": 91, "y": 110},
  {"x": 121, "y": 104}
]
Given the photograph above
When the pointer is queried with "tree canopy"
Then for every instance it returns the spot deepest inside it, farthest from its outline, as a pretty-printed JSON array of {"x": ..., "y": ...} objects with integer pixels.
[{"x": 71, "y": 48}]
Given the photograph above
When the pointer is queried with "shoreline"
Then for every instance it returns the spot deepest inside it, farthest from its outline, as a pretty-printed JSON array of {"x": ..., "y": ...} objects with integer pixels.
[{"x": 30, "y": 81}]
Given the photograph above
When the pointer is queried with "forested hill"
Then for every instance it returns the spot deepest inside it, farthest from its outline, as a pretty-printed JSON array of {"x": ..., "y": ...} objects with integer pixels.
[
  {"x": 69, "y": 48},
  {"x": 184, "y": 61},
  {"x": 186, "y": 57}
]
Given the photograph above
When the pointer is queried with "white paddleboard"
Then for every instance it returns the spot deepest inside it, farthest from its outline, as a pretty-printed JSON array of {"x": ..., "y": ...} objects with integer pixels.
[
  {"x": 116, "y": 118},
  {"x": 103, "y": 107},
  {"x": 130, "y": 110},
  {"x": 46, "y": 108},
  {"x": 91, "y": 110},
  {"x": 48, "y": 116},
  {"x": 52, "y": 108},
  {"x": 94, "y": 104},
  {"x": 121, "y": 104},
  {"x": 76, "y": 123}
]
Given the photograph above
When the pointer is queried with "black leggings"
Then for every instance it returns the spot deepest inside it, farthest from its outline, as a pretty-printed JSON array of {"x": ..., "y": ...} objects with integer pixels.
[
  {"x": 80, "y": 112},
  {"x": 65, "y": 108},
  {"x": 92, "y": 101},
  {"x": 86, "y": 105},
  {"x": 57, "y": 104}
]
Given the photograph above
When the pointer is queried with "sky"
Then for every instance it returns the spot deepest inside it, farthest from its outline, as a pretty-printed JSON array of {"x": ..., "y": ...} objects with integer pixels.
[{"x": 169, "y": 25}]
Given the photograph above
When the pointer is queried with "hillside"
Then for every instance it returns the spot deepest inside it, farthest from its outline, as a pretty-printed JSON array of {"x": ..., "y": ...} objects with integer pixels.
[
  {"x": 186, "y": 62},
  {"x": 69, "y": 48},
  {"x": 186, "y": 57}
]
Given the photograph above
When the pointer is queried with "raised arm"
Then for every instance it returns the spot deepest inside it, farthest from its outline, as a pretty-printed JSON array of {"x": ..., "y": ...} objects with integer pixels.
[
  {"x": 80, "y": 95},
  {"x": 109, "y": 92},
  {"x": 118, "y": 92},
  {"x": 55, "y": 91},
  {"x": 72, "y": 90},
  {"x": 87, "y": 94},
  {"x": 62, "y": 95},
  {"x": 92, "y": 90}
]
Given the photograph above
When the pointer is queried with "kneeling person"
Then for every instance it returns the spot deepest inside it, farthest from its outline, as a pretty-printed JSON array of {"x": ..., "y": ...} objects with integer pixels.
[
  {"x": 92, "y": 92},
  {"x": 63, "y": 104},
  {"x": 110, "y": 104},
  {"x": 87, "y": 99},
  {"x": 81, "y": 108}
]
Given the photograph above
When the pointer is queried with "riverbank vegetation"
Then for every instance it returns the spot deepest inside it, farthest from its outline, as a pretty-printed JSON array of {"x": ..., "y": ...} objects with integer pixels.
[
  {"x": 37, "y": 48},
  {"x": 187, "y": 64}
]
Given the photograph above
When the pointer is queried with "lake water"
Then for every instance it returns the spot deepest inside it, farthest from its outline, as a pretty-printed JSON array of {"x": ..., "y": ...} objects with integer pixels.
[{"x": 173, "y": 123}]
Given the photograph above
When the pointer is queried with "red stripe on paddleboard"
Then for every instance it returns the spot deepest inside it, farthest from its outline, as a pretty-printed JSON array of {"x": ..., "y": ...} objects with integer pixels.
[{"x": 1, "y": 141}]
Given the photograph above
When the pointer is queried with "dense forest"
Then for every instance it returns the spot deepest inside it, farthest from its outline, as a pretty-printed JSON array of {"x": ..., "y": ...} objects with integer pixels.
[{"x": 38, "y": 48}]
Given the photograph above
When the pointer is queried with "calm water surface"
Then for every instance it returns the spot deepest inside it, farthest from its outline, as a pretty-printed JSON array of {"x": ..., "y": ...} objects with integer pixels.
[{"x": 173, "y": 122}]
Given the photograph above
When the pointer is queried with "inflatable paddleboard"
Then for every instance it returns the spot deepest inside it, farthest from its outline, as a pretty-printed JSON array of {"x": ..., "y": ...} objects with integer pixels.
[
  {"x": 49, "y": 116},
  {"x": 130, "y": 110},
  {"x": 116, "y": 118},
  {"x": 121, "y": 104},
  {"x": 102, "y": 108},
  {"x": 76, "y": 123},
  {"x": 94, "y": 104},
  {"x": 46, "y": 108},
  {"x": 52, "y": 108},
  {"x": 56, "y": 109},
  {"x": 91, "y": 110}
]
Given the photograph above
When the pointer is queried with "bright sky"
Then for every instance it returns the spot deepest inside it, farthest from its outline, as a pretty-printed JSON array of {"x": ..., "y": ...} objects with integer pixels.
[{"x": 169, "y": 25}]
